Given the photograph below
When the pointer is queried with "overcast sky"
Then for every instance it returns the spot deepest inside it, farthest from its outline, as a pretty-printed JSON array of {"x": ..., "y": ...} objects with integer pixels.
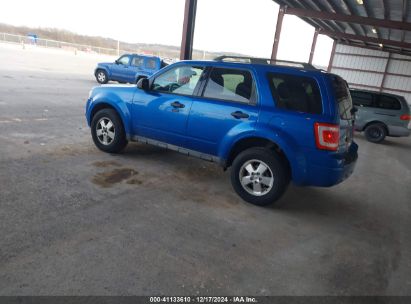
[{"x": 243, "y": 26}]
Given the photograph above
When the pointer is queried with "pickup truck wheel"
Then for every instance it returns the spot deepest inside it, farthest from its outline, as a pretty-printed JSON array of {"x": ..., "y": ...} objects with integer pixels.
[
  {"x": 108, "y": 132},
  {"x": 139, "y": 77},
  {"x": 259, "y": 176},
  {"x": 101, "y": 76},
  {"x": 375, "y": 132}
]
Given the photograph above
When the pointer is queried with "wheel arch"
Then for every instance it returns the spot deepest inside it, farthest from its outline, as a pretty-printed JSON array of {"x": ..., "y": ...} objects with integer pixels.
[
  {"x": 252, "y": 142},
  {"x": 124, "y": 115},
  {"x": 105, "y": 69},
  {"x": 375, "y": 122},
  {"x": 140, "y": 76}
]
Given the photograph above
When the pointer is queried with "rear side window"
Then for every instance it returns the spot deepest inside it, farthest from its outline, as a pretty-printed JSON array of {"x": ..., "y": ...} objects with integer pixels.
[
  {"x": 137, "y": 61},
  {"x": 387, "y": 102},
  {"x": 343, "y": 97},
  {"x": 151, "y": 64},
  {"x": 230, "y": 84},
  {"x": 295, "y": 93},
  {"x": 362, "y": 99}
]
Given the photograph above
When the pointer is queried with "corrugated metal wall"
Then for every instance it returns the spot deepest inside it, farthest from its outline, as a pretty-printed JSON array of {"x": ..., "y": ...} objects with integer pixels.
[{"x": 365, "y": 68}]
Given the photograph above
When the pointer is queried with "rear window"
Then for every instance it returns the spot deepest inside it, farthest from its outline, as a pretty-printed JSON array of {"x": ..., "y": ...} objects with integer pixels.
[
  {"x": 295, "y": 93},
  {"x": 151, "y": 64},
  {"x": 388, "y": 102},
  {"x": 342, "y": 96}
]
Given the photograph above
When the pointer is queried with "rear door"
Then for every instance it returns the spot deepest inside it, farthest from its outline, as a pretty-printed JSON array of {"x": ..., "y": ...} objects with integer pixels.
[
  {"x": 297, "y": 97},
  {"x": 151, "y": 65},
  {"x": 136, "y": 67},
  {"x": 227, "y": 103}
]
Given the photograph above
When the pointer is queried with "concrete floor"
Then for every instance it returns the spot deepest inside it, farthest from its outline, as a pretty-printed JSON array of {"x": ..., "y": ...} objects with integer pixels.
[{"x": 76, "y": 221}]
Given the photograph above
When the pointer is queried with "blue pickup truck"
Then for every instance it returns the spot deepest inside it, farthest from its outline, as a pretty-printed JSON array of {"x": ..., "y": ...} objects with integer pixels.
[
  {"x": 271, "y": 123},
  {"x": 128, "y": 68}
]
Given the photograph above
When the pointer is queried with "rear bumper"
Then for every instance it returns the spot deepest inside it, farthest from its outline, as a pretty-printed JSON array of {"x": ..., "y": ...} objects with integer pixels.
[
  {"x": 398, "y": 131},
  {"x": 331, "y": 170}
]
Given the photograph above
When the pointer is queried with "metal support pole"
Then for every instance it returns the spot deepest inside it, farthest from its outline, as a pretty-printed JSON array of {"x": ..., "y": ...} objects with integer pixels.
[
  {"x": 186, "y": 50},
  {"x": 310, "y": 60},
  {"x": 385, "y": 72},
  {"x": 330, "y": 64},
  {"x": 277, "y": 35}
]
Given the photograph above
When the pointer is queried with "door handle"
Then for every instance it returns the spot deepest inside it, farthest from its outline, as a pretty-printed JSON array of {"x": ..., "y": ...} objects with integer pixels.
[
  {"x": 239, "y": 114},
  {"x": 177, "y": 104}
]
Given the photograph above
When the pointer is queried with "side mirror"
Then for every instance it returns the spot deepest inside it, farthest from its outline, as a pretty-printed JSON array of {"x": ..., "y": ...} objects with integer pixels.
[
  {"x": 143, "y": 84},
  {"x": 354, "y": 110}
]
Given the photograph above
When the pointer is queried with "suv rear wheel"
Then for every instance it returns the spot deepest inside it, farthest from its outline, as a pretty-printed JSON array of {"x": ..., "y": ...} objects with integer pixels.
[
  {"x": 108, "y": 132},
  {"x": 375, "y": 132},
  {"x": 259, "y": 176}
]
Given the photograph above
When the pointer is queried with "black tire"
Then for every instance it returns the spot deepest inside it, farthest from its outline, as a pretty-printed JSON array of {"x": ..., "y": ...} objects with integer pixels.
[
  {"x": 139, "y": 77},
  {"x": 117, "y": 142},
  {"x": 101, "y": 76},
  {"x": 375, "y": 132},
  {"x": 278, "y": 169}
]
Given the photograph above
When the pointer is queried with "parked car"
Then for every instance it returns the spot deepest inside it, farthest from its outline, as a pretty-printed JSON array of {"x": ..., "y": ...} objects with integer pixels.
[
  {"x": 381, "y": 114},
  {"x": 269, "y": 123},
  {"x": 128, "y": 68}
]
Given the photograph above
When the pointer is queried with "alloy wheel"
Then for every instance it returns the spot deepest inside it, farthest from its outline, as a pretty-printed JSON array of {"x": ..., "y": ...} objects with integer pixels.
[
  {"x": 105, "y": 131},
  {"x": 256, "y": 177}
]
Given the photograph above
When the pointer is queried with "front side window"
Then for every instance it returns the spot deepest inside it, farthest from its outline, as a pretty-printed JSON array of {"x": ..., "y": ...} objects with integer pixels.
[
  {"x": 180, "y": 80},
  {"x": 124, "y": 60},
  {"x": 295, "y": 93},
  {"x": 230, "y": 84},
  {"x": 362, "y": 99},
  {"x": 137, "y": 61},
  {"x": 151, "y": 64}
]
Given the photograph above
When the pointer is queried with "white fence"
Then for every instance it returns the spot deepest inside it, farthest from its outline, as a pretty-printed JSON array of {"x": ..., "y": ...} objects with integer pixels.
[{"x": 26, "y": 40}]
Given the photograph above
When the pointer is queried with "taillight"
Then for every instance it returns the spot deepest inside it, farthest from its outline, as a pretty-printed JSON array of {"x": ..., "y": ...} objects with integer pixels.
[
  {"x": 405, "y": 117},
  {"x": 327, "y": 136}
]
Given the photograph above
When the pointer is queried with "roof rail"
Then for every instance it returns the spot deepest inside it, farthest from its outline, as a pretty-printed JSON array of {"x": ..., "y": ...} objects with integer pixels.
[{"x": 255, "y": 60}]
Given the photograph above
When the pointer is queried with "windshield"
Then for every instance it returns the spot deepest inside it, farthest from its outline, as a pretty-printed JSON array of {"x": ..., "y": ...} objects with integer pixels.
[{"x": 342, "y": 96}]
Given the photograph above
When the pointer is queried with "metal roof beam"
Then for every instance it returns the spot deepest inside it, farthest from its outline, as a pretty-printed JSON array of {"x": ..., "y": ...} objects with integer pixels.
[
  {"x": 399, "y": 25},
  {"x": 404, "y": 45}
]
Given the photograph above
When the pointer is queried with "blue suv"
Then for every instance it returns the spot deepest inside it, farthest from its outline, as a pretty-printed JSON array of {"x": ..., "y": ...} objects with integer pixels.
[
  {"x": 271, "y": 123},
  {"x": 128, "y": 68}
]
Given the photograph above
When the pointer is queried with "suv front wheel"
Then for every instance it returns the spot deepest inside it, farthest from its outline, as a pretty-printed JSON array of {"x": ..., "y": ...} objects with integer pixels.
[
  {"x": 101, "y": 76},
  {"x": 108, "y": 132},
  {"x": 259, "y": 176}
]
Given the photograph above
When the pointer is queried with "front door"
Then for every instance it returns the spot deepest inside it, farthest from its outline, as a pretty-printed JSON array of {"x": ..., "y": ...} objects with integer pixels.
[
  {"x": 162, "y": 112},
  {"x": 120, "y": 68}
]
